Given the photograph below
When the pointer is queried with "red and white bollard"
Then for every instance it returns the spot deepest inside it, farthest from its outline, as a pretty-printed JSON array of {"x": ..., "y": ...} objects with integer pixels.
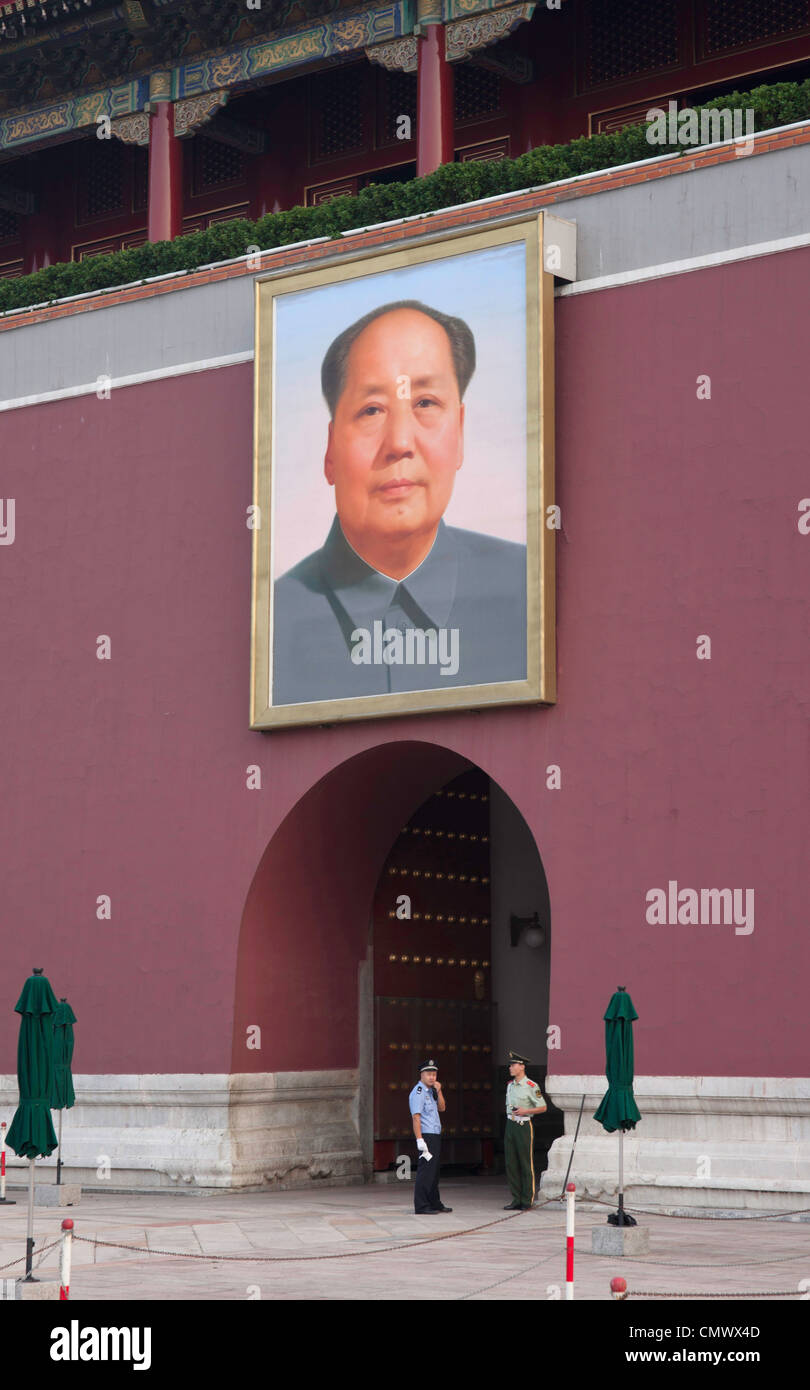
[
  {"x": 6, "y": 1201},
  {"x": 570, "y": 1194},
  {"x": 618, "y": 1287},
  {"x": 64, "y": 1260}
]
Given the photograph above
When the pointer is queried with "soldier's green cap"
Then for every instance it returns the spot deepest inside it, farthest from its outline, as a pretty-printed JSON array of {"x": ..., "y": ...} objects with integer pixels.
[{"x": 518, "y": 1057}]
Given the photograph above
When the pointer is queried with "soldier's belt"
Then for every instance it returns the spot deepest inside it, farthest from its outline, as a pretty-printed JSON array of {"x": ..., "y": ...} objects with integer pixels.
[{"x": 520, "y": 1119}]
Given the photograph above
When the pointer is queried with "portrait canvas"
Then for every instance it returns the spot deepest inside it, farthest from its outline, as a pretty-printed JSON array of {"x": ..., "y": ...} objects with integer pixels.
[{"x": 403, "y": 471}]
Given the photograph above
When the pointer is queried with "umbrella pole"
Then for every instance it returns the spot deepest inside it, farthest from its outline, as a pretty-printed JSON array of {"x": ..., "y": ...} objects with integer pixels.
[
  {"x": 621, "y": 1217},
  {"x": 59, "y": 1153},
  {"x": 29, "y": 1243}
]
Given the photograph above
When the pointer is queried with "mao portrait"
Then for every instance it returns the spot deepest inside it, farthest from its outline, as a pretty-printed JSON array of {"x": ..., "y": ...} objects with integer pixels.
[{"x": 394, "y": 445}]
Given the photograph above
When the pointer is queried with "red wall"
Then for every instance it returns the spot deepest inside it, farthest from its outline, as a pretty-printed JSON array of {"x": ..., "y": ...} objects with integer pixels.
[{"x": 127, "y": 777}]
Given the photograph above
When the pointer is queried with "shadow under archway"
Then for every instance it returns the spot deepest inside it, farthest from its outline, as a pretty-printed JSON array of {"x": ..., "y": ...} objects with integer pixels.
[{"x": 305, "y": 923}]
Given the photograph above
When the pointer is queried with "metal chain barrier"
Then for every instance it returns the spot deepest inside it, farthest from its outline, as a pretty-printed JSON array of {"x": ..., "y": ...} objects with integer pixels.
[
  {"x": 733, "y": 1264},
  {"x": 692, "y": 1294},
  {"x": 290, "y": 1259},
  {"x": 453, "y": 1235},
  {"x": 507, "y": 1280},
  {"x": 702, "y": 1293},
  {"x": 37, "y": 1255},
  {"x": 412, "y": 1245},
  {"x": 680, "y": 1216},
  {"x": 416, "y": 1243},
  {"x": 682, "y": 1264}
]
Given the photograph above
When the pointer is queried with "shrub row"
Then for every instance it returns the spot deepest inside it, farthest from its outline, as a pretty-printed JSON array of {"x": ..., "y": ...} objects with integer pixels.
[{"x": 780, "y": 103}]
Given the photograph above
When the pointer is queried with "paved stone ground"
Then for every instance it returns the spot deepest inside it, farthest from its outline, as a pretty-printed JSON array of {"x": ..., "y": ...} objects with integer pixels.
[{"x": 520, "y": 1257}]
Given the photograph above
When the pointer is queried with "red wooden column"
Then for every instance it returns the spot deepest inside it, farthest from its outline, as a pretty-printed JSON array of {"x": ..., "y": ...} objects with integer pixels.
[
  {"x": 434, "y": 102},
  {"x": 43, "y": 231},
  {"x": 39, "y": 247},
  {"x": 165, "y": 215}
]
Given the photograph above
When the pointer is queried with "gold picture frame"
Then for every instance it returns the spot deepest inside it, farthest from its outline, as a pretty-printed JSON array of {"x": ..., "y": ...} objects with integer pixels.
[{"x": 539, "y": 686}]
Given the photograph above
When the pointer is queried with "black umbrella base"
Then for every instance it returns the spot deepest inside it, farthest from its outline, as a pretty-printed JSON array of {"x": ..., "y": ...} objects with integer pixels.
[{"x": 620, "y": 1218}]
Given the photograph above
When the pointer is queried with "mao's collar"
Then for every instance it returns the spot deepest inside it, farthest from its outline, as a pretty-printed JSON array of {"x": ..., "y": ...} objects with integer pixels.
[{"x": 426, "y": 595}]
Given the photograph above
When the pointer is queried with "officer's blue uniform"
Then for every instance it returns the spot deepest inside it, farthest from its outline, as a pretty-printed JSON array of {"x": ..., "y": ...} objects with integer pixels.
[{"x": 426, "y": 1190}]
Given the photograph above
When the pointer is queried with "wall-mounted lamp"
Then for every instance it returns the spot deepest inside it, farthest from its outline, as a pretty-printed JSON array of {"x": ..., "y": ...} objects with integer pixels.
[{"x": 528, "y": 929}]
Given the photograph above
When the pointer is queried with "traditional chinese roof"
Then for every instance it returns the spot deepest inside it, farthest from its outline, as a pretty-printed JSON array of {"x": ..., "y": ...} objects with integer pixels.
[
  {"x": 51, "y": 49},
  {"x": 24, "y": 17}
]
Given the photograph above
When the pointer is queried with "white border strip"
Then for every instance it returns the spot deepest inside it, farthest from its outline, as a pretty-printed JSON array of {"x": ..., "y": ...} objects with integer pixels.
[
  {"x": 601, "y": 282},
  {"x": 658, "y": 272},
  {"x": 205, "y": 364}
]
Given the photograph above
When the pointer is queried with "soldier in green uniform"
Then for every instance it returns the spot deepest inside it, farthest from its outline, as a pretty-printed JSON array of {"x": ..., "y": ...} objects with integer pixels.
[{"x": 523, "y": 1099}]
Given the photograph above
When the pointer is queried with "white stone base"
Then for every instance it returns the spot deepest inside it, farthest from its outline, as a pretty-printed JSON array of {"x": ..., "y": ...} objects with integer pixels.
[
  {"x": 37, "y": 1290},
  {"x": 292, "y": 1129},
  {"x": 620, "y": 1240},
  {"x": 198, "y": 1133},
  {"x": 727, "y": 1143},
  {"x": 48, "y": 1194},
  {"x": 703, "y": 1142}
]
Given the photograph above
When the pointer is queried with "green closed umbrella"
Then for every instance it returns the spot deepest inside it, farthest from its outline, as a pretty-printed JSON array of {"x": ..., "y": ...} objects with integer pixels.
[
  {"x": 32, "y": 1134},
  {"x": 618, "y": 1109},
  {"x": 63, "y": 1096}
]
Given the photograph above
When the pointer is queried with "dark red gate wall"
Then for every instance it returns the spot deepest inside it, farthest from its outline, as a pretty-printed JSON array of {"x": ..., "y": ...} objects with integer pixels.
[{"x": 128, "y": 777}]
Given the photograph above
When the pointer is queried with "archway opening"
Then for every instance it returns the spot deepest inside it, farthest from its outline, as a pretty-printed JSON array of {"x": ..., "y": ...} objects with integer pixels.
[{"x": 312, "y": 1060}]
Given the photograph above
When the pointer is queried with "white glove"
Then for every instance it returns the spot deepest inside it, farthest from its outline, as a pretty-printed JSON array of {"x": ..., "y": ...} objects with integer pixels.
[{"x": 423, "y": 1149}]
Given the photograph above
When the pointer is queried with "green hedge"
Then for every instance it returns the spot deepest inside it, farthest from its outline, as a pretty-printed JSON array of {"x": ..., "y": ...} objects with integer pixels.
[{"x": 781, "y": 103}]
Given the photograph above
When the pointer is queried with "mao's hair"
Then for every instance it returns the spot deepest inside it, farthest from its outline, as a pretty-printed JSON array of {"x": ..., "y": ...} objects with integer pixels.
[{"x": 333, "y": 368}]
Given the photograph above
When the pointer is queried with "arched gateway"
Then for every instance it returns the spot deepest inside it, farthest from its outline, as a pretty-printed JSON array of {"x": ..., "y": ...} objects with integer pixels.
[{"x": 400, "y": 907}]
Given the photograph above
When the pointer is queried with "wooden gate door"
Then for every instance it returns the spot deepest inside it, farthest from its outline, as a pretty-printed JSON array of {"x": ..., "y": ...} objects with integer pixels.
[{"x": 432, "y": 938}]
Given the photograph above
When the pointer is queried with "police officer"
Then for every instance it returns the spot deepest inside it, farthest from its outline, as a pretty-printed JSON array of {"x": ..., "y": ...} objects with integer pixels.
[
  {"x": 427, "y": 1102},
  {"x": 523, "y": 1099}
]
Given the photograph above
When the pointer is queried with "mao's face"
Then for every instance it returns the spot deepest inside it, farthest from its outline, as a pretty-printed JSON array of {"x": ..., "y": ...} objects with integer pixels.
[{"x": 396, "y": 441}]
